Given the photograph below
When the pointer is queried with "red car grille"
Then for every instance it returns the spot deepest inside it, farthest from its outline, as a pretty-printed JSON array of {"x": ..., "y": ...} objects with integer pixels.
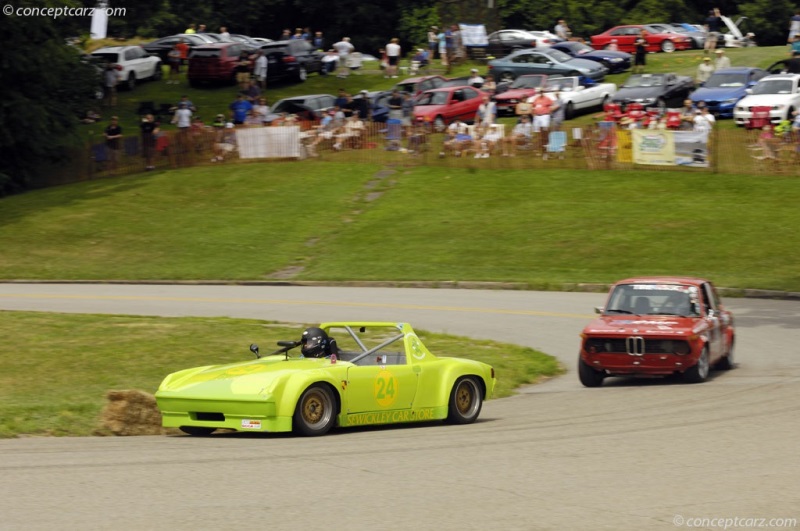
[{"x": 635, "y": 345}]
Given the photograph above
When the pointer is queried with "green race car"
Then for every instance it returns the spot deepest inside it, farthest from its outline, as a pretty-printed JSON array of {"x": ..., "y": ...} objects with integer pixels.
[{"x": 348, "y": 374}]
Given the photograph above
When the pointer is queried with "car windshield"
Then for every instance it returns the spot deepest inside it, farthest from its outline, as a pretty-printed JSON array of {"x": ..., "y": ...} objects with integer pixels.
[
  {"x": 432, "y": 98},
  {"x": 644, "y": 80},
  {"x": 579, "y": 48},
  {"x": 726, "y": 81},
  {"x": 773, "y": 86},
  {"x": 557, "y": 55},
  {"x": 406, "y": 87},
  {"x": 527, "y": 82},
  {"x": 653, "y": 299}
]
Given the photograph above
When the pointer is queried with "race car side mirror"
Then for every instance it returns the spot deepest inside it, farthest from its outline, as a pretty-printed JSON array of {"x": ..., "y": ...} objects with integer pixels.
[
  {"x": 598, "y": 309},
  {"x": 254, "y": 350}
]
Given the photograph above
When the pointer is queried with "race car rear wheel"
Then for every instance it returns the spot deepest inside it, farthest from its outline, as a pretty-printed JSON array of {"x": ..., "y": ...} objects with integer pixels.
[
  {"x": 314, "y": 414},
  {"x": 466, "y": 401},
  {"x": 588, "y": 376},
  {"x": 197, "y": 431},
  {"x": 699, "y": 372}
]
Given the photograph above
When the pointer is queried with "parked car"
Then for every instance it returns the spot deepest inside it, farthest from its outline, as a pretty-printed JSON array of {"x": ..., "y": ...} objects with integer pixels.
[
  {"x": 547, "y": 38},
  {"x": 311, "y": 107},
  {"x": 215, "y": 63},
  {"x": 544, "y": 61},
  {"x": 132, "y": 64},
  {"x": 575, "y": 96},
  {"x": 443, "y": 105},
  {"x": 519, "y": 91},
  {"x": 725, "y": 88},
  {"x": 626, "y": 36},
  {"x": 293, "y": 59},
  {"x": 615, "y": 61},
  {"x": 349, "y": 374},
  {"x": 655, "y": 90},
  {"x": 658, "y": 326},
  {"x": 162, "y": 46},
  {"x": 697, "y": 35},
  {"x": 418, "y": 85},
  {"x": 779, "y": 92},
  {"x": 503, "y": 42}
]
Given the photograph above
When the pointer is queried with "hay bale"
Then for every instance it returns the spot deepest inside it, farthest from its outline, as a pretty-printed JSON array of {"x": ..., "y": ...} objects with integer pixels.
[{"x": 132, "y": 412}]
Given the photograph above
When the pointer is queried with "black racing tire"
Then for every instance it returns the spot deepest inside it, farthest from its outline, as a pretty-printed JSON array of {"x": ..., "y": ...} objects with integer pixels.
[
  {"x": 315, "y": 413},
  {"x": 728, "y": 361},
  {"x": 466, "y": 400},
  {"x": 197, "y": 431},
  {"x": 667, "y": 46},
  {"x": 699, "y": 372},
  {"x": 588, "y": 376}
]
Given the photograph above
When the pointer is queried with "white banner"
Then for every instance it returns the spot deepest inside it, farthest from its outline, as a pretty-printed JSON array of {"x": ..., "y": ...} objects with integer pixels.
[
  {"x": 473, "y": 34},
  {"x": 269, "y": 142}
]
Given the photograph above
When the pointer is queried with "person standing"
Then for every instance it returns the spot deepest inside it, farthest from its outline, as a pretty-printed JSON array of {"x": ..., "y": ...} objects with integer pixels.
[
  {"x": 794, "y": 27},
  {"x": 243, "y": 70},
  {"x": 260, "y": 69},
  {"x": 113, "y": 134},
  {"x": 190, "y": 29},
  {"x": 240, "y": 109},
  {"x": 318, "y": 42},
  {"x": 541, "y": 108},
  {"x": 704, "y": 71},
  {"x": 433, "y": 41},
  {"x": 712, "y": 25},
  {"x": 392, "y": 57},
  {"x": 562, "y": 30},
  {"x": 224, "y": 36},
  {"x": 344, "y": 48},
  {"x": 110, "y": 81},
  {"x": 183, "y": 47},
  {"x": 722, "y": 61},
  {"x": 174, "y": 59},
  {"x": 149, "y": 129},
  {"x": 395, "y": 104},
  {"x": 640, "y": 53},
  {"x": 449, "y": 45}
]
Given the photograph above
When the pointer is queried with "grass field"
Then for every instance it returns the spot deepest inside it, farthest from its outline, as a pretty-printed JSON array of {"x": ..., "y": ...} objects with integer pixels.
[{"x": 62, "y": 365}]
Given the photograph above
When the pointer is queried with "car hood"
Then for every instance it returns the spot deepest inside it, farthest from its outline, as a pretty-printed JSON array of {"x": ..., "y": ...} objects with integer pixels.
[
  {"x": 638, "y": 92},
  {"x": 717, "y": 93},
  {"x": 256, "y": 377},
  {"x": 606, "y": 54},
  {"x": 515, "y": 94},
  {"x": 585, "y": 64},
  {"x": 765, "y": 100},
  {"x": 643, "y": 325}
]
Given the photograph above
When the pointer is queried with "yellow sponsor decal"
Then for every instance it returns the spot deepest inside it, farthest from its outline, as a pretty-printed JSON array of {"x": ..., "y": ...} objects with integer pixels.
[
  {"x": 385, "y": 388},
  {"x": 386, "y": 417}
]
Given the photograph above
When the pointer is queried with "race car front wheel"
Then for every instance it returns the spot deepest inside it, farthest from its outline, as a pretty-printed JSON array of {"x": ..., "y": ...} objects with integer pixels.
[
  {"x": 465, "y": 401},
  {"x": 314, "y": 414}
]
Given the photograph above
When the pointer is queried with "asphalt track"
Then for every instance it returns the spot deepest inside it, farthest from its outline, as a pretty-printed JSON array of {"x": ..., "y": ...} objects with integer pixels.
[{"x": 634, "y": 454}]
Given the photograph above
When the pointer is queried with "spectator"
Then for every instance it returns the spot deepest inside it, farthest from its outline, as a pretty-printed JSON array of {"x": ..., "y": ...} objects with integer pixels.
[
  {"x": 253, "y": 119},
  {"x": 392, "y": 57},
  {"x": 459, "y": 52},
  {"x": 183, "y": 47},
  {"x": 184, "y": 100},
  {"x": 704, "y": 71},
  {"x": 260, "y": 69},
  {"x": 520, "y": 135},
  {"x": 201, "y": 28},
  {"x": 341, "y": 98},
  {"x": 240, "y": 108},
  {"x": 253, "y": 91},
  {"x": 224, "y": 36},
  {"x": 330, "y": 61},
  {"x": 793, "y": 64},
  {"x": 559, "y": 112},
  {"x": 490, "y": 85},
  {"x": 613, "y": 46},
  {"x": 306, "y": 34},
  {"x": 796, "y": 45},
  {"x": 722, "y": 61},
  {"x": 190, "y": 29},
  {"x": 354, "y": 61},
  {"x": 687, "y": 115},
  {"x": 298, "y": 34},
  {"x": 149, "y": 128},
  {"x": 344, "y": 48},
  {"x": 113, "y": 134},
  {"x": 712, "y": 25},
  {"x": 794, "y": 27},
  {"x": 352, "y": 131},
  {"x": 262, "y": 109},
  {"x": 182, "y": 117},
  {"x": 542, "y": 107},
  {"x": 362, "y": 106},
  {"x": 640, "y": 54},
  {"x": 286, "y": 34},
  {"x": 408, "y": 111},
  {"x": 421, "y": 59},
  {"x": 704, "y": 122},
  {"x": 433, "y": 41},
  {"x": 110, "y": 80},
  {"x": 475, "y": 80},
  {"x": 562, "y": 30},
  {"x": 486, "y": 138},
  {"x": 442, "y": 36},
  {"x": 395, "y": 104},
  {"x": 319, "y": 41},
  {"x": 174, "y": 59},
  {"x": 243, "y": 70},
  {"x": 487, "y": 111},
  {"x": 225, "y": 143}
]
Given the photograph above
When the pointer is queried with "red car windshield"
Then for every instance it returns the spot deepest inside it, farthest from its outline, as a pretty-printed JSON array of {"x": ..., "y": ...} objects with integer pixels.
[
  {"x": 432, "y": 98},
  {"x": 653, "y": 299}
]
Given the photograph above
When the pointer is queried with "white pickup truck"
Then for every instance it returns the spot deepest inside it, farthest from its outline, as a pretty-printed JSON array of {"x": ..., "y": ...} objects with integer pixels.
[
  {"x": 779, "y": 92},
  {"x": 577, "y": 97}
]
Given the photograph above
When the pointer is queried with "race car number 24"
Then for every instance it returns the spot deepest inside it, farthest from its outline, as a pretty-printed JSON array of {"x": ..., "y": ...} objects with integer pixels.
[{"x": 385, "y": 389}]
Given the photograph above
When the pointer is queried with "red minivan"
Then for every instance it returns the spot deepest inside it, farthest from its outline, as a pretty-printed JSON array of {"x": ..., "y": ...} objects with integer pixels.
[{"x": 215, "y": 62}]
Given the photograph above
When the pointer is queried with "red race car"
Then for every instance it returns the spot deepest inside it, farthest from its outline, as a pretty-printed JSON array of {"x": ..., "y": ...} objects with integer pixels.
[
  {"x": 625, "y": 39},
  {"x": 443, "y": 105},
  {"x": 658, "y": 326}
]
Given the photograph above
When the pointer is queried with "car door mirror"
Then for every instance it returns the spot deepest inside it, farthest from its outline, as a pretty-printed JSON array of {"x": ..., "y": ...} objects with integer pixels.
[{"x": 598, "y": 309}]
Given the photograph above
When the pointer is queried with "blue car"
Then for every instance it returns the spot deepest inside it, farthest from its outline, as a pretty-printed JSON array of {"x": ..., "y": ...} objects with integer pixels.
[
  {"x": 725, "y": 87},
  {"x": 544, "y": 61},
  {"x": 616, "y": 62}
]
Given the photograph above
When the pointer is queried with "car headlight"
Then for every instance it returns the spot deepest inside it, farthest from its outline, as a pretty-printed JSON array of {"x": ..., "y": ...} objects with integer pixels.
[
  {"x": 778, "y": 107},
  {"x": 731, "y": 100},
  {"x": 615, "y": 60}
]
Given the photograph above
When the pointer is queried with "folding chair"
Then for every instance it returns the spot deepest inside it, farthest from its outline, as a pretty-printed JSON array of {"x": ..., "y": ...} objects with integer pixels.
[
  {"x": 635, "y": 111},
  {"x": 394, "y": 134},
  {"x": 673, "y": 119},
  {"x": 612, "y": 111},
  {"x": 759, "y": 117},
  {"x": 556, "y": 144}
]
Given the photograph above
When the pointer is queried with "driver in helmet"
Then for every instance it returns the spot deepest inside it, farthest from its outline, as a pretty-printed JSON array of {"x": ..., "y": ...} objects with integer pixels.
[{"x": 315, "y": 343}]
